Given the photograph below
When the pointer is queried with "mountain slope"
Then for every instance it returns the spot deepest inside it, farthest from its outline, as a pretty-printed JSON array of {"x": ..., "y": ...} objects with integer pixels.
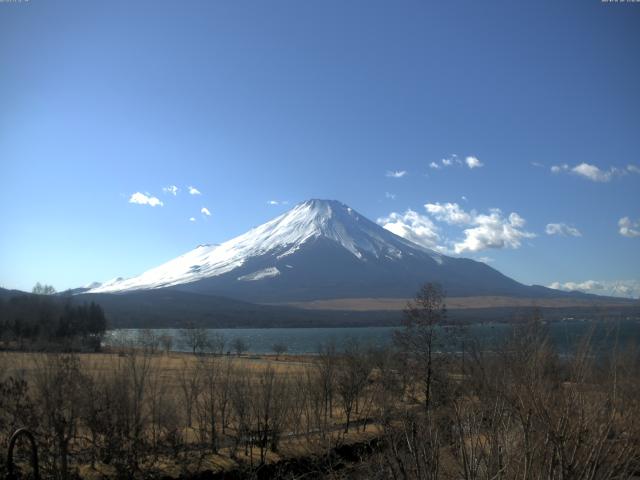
[{"x": 320, "y": 249}]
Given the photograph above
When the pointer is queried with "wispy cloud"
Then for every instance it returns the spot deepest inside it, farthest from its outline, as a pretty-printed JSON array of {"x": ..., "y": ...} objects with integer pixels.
[
  {"x": 470, "y": 161},
  {"x": 172, "y": 189},
  {"x": 593, "y": 172},
  {"x": 145, "y": 199},
  {"x": 390, "y": 196},
  {"x": 473, "y": 162},
  {"x": 562, "y": 229},
  {"x": 192, "y": 219},
  {"x": 193, "y": 190},
  {"x": 614, "y": 288},
  {"x": 205, "y": 211},
  {"x": 277, "y": 202},
  {"x": 629, "y": 228},
  {"x": 396, "y": 173},
  {"x": 485, "y": 259},
  {"x": 450, "y": 161},
  {"x": 559, "y": 168}
]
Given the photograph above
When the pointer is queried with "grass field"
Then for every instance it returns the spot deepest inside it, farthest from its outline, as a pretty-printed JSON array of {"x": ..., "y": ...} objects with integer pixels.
[{"x": 173, "y": 381}]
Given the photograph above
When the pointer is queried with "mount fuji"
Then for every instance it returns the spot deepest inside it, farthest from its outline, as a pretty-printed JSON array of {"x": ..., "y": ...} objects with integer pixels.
[{"x": 319, "y": 250}]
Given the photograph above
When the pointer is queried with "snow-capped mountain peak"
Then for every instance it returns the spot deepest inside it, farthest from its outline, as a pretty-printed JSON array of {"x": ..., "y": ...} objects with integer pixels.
[{"x": 283, "y": 236}]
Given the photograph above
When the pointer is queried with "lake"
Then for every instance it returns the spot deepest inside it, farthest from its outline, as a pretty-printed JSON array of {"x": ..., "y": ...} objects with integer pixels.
[{"x": 565, "y": 335}]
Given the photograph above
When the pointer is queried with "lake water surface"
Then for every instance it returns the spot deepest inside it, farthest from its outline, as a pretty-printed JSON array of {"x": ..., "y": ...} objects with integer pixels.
[{"x": 565, "y": 335}]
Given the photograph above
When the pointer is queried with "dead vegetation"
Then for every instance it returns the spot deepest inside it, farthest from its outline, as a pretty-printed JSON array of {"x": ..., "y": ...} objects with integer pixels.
[{"x": 517, "y": 412}]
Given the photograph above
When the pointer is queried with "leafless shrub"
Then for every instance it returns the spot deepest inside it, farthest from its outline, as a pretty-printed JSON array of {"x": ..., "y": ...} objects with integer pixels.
[
  {"x": 351, "y": 379},
  {"x": 190, "y": 382},
  {"x": 239, "y": 345},
  {"x": 58, "y": 384},
  {"x": 196, "y": 339},
  {"x": 279, "y": 348}
]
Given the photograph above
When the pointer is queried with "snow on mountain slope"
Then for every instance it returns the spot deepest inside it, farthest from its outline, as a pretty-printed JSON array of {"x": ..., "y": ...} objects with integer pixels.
[
  {"x": 260, "y": 274},
  {"x": 279, "y": 237}
]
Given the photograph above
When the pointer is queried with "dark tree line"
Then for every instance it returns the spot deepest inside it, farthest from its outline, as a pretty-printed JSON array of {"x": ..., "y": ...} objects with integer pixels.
[{"x": 26, "y": 319}]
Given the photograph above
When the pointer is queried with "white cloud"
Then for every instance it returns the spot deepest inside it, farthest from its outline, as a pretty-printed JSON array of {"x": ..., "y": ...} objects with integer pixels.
[
  {"x": 172, "y": 189},
  {"x": 493, "y": 231},
  {"x": 205, "y": 211},
  {"x": 537, "y": 164},
  {"x": 390, "y": 196},
  {"x": 613, "y": 288},
  {"x": 396, "y": 173},
  {"x": 592, "y": 172},
  {"x": 574, "y": 286},
  {"x": 485, "y": 259},
  {"x": 414, "y": 227},
  {"x": 193, "y": 190},
  {"x": 452, "y": 160},
  {"x": 485, "y": 231},
  {"x": 450, "y": 213},
  {"x": 559, "y": 168},
  {"x": 145, "y": 199},
  {"x": 277, "y": 202},
  {"x": 473, "y": 162},
  {"x": 192, "y": 219},
  {"x": 562, "y": 229},
  {"x": 629, "y": 228}
]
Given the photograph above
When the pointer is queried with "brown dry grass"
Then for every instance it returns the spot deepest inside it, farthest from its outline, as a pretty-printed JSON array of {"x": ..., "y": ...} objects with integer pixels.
[
  {"x": 171, "y": 367},
  {"x": 171, "y": 364},
  {"x": 397, "y": 304}
]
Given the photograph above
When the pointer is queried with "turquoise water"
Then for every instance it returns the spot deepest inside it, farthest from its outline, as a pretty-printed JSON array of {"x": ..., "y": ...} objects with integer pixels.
[{"x": 565, "y": 335}]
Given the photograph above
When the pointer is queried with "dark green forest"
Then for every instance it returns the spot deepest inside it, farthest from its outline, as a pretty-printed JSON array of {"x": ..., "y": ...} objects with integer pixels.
[{"x": 43, "y": 321}]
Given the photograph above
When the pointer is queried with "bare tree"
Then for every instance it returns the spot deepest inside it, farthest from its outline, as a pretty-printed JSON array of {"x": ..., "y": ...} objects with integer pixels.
[
  {"x": 269, "y": 404},
  {"x": 240, "y": 395},
  {"x": 351, "y": 378},
  {"x": 190, "y": 382},
  {"x": 327, "y": 367},
  {"x": 209, "y": 410},
  {"x": 418, "y": 340},
  {"x": 195, "y": 338},
  {"x": 149, "y": 340},
  {"x": 217, "y": 343},
  {"x": 166, "y": 341},
  {"x": 227, "y": 373},
  {"x": 239, "y": 345},
  {"x": 59, "y": 383},
  {"x": 279, "y": 348}
]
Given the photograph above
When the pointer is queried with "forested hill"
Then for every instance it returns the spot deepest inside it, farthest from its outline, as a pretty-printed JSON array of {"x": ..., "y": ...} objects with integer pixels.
[{"x": 48, "y": 319}]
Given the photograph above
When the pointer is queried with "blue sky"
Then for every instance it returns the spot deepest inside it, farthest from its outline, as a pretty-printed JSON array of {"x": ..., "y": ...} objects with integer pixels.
[{"x": 252, "y": 102}]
